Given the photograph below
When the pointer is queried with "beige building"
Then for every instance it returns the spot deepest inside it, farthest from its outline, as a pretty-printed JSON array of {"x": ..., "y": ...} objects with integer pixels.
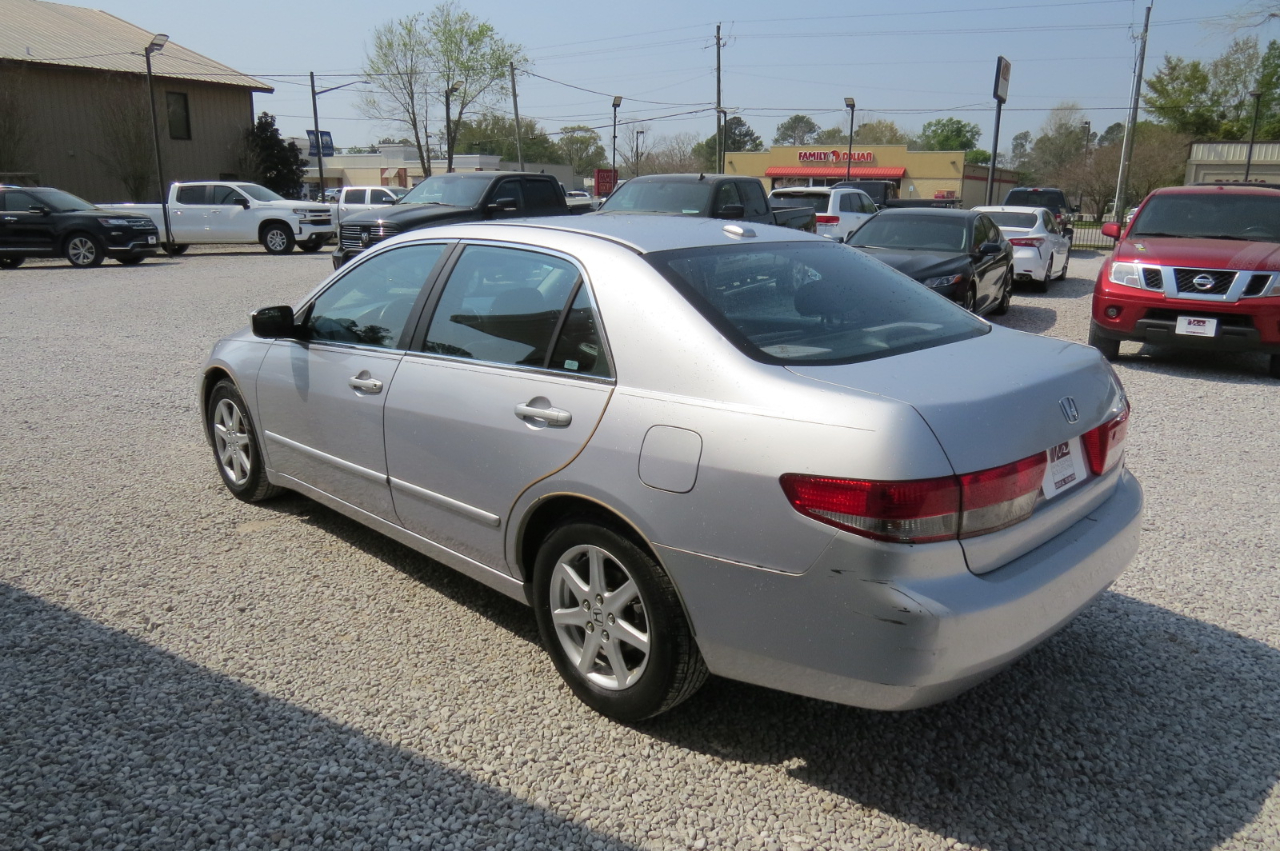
[
  {"x": 74, "y": 111},
  {"x": 1223, "y": 162},
  {"x": 941, "y": 175}
]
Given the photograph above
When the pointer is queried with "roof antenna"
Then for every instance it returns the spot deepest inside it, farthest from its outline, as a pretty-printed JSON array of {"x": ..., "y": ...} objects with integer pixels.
[{"x": 702, "y": 177}]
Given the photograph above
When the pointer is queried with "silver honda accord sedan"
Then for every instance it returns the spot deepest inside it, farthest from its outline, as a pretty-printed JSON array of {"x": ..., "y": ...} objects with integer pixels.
[{"x": 696, "y": 447}]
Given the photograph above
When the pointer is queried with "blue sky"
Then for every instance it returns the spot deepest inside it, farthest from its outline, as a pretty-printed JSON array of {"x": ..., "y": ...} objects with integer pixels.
[{"x": 909, "y": 61}]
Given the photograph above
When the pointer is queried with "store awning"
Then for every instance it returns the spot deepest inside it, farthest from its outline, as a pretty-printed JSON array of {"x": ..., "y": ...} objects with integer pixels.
[{"x": 863, "y": 173}]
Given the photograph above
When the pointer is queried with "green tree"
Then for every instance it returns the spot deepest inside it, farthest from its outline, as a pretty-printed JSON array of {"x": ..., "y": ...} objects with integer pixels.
[
  {"x": 581, "y": 149},
  {"x": 400, "y": 69},
  {"x": 471, "y": 62},
  {"x": 738, "y": 136},
  {"x": 880, "y": 132},
  {"x": 495, "y": 134},
  {"x": 949, "y": 134},
  {"x": 1212, "y": 101},
  {"x": 1113, "y": 135},
  {"x": 977, "y": 156},
  {"x": 1061, "y": 140},
  {"x": 831, "y": 136},
  {"x": 796, "y": 130},
  {"x": 278, "y": 164}
]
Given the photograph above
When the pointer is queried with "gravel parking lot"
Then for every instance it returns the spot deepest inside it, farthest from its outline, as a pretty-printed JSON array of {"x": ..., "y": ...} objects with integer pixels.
[{"x": 181, "y": 670}]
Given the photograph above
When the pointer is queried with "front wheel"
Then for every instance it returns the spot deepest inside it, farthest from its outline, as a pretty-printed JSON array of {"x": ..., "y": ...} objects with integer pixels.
[
  {"x": 970, "y": 299},
  {"x": 235, "y": 445},
  {"x": 277, "y": 239},
  {"x": 84, "y": 250},
  {"x": 610, "y": 619},
  {"x": 174, "y": 249},
  {"x": 1274, "y": 367},
  {"x": 131, "y": 259},
  {"x": 11, "y": 262},
  {"x": 1110, "y": 348},
  {"x": 1006, "y": 295}
]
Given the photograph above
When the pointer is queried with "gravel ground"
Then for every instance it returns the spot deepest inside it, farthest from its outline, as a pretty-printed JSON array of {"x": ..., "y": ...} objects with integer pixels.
[{"x": 181, "y": 670}]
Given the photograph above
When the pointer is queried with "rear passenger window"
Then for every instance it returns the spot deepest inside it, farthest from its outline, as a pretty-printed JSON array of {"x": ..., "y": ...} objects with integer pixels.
[
  {"x": 849, "y": 203},
  {"x": 192, "y": 194},
  {"x": 540, "y": 195},
  {"x": 753, "y": 198},
  {"x": 579, "y": 347},
  {"x": 503, "y": 305}
]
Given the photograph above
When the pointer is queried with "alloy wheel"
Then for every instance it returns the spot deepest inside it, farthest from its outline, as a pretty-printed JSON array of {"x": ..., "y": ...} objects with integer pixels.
[
  {"x": 81, "y": 251},
  {"x": 232, "y": 442},
  {"x": 276, "y": 240}
]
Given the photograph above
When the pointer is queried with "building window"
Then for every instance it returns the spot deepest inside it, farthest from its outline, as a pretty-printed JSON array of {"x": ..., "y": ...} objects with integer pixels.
[{"x": 179, "y": 115}]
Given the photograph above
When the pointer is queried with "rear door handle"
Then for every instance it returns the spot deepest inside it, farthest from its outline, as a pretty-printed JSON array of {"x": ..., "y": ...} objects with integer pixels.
[
  {"x": 9, "y": 219},
  {"x": 366, "y": 384},
  {"x": 552, "y": 416}
]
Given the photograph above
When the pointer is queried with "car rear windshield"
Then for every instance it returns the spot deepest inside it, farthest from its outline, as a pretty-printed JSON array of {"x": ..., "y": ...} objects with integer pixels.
[
  {"x": 816, "y": 201},
  {"x": 451, "y": 189},
  {"x": 1051, "y": 198},
  {"x": 812, "y": 303},
  {"x": 1014, "y": 220},
  {"x": 930, "y": 233},
  {"x": 688, "y": 199},
  {"x": 1216, "y": 215}
]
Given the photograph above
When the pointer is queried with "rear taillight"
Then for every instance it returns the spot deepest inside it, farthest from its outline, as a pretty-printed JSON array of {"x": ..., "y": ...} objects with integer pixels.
[
  {"x": 1032, "y": 241},
  {"x": 1104, "y": 445},
  {"x": 828, "y": 220},
  {"x": 924, "y": 510}
]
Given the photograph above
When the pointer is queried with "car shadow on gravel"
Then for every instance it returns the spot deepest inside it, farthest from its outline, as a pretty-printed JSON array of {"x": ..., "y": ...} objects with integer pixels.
[
  {"x": 107, "y": 742},
  {"x": 1027, "y": 317},
  {"x": 1205, "y": 365},
  {"x": 1133, "y": 728}
]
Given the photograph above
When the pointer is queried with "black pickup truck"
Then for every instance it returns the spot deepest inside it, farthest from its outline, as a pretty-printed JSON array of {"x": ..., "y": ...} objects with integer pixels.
[
  {"x": 36, "y": 221},
  {"x": 450, "y": 198},
  {"x": 715, "y": 196}
]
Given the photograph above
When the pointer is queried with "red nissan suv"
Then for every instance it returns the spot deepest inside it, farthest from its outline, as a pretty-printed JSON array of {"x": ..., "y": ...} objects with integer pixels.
[{"x": 1198, "y": 267}]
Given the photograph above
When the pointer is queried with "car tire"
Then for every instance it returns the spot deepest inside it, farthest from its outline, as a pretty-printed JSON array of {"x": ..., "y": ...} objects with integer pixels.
[
  {"x": 235, "y": 444},
  {"x": 83, "y": 250},
  {"x": 1062, "y": 273},
  {"x": 277, "y": 239},
  {"x": 11, "y": 262},
  {"x": 1110, "y": 348},
  {"x": 174, "y": 249},
  {"x": 311, "y": 246},
  {"x": 592, "y": 585},
  {"x": 1273, "y": 368},
  {"x": 970, "y": 299},
  {"x": 131, "y": 259},
  {"x": 1006, "y": 296}
]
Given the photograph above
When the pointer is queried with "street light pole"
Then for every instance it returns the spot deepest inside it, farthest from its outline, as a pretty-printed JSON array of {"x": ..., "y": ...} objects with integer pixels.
[
  {"x": 848, "y": 163},
  {"x": 639, "y": 153},
  {"x": 617, "y": 102},
  {"x": 315, "y": 118},
  {"x": 448, "y": 128},
  {"x": 1253, "y": 131},
  {"x": 157, "y": 43}
]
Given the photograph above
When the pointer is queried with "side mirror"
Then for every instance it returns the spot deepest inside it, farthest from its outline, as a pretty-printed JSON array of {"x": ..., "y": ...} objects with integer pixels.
[
  {"x": 731, "y": 211},
  {"x": 1111, "y": 230},
  {"x": 989, "y": 249},
  {"x": 1076, "y": 208},
  {"x": 503, "y": 205},
  {"x": 243, "y": 202},
  {"x": 273, "y": 322}
]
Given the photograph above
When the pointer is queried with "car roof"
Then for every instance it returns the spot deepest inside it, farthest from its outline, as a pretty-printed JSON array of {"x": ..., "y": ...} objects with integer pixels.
[
  {"x": 1009, "y": 209},
  {"x": 680, "y": 178},
  {"x": 1210, "y": 189},
  {"x": 1035, "y": 189},
  {"x": 941, "y": 212},
  {"x": 643, "y": 233}
]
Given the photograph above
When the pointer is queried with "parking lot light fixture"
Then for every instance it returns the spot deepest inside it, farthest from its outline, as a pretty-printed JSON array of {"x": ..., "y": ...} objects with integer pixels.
[
  {"x": 158, "y": 41},
  {"x": 848, "y": 163},
  {"x": 617, "y": 102},
  {"x": 448, "y": 128}
]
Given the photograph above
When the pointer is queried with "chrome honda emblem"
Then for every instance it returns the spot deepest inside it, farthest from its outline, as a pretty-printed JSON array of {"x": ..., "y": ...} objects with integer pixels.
[
  {"x": 1069, "y": 411},
  {"x": 1203, "y": 282}
]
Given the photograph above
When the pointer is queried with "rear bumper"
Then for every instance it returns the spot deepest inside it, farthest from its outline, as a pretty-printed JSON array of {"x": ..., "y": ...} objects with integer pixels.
[
  {"x": 838, "y": 633},
  {"x": 1029, "y": 265}
]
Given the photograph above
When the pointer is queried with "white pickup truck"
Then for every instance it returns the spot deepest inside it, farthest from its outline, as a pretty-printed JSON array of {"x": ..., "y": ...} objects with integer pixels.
[
  {"x": 233, "y": 212},
  {"x": 358, "y": 199},
  {"x": 839, "y": 211}
]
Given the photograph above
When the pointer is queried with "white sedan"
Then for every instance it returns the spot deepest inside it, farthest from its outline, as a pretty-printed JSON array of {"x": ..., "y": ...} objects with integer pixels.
[{"x": 1040, "y": 251}]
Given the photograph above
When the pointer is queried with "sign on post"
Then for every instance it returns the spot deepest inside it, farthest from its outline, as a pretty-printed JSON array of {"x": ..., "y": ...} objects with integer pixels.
[
  {"x": 326, "y": 143},
  {"x": 1003, "y": 67},
  {"x": 606, "y": 180}
]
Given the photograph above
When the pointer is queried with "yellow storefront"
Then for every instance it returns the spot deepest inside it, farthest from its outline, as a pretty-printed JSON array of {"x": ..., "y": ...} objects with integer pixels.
[{"x": 918, "y": 174}]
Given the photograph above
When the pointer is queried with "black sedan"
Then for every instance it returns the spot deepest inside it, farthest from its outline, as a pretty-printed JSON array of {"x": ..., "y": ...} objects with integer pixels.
[
  {"x": 957, "y": 253},
  {"x": 44, "y": 222}
]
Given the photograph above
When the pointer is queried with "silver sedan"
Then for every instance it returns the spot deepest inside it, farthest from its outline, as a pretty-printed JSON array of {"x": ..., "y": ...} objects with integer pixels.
[{"x": 696, "y": 447}]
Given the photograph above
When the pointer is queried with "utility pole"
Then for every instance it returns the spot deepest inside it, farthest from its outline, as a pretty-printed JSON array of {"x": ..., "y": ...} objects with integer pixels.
[
  {"x": 515, "y": 107},
  {"x": 1127, "y": 151},
  {"x": 720, "y": 122},
  {"x": 315, "y": 122}
]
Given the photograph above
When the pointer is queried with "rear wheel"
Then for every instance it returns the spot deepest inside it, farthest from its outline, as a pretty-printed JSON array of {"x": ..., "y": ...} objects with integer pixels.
[
  {"x": 610, "y": 619},
  {"x": 1274, "y": 367},
  {"x": 277, "y": 239},
  {"x": 235, "y": 445},
  {"x": 1062, "y": 273},
  {"x": 84, "y": 250},
  {"x": 11, "y": 262},
  {"x": 1111, "y": 348}
]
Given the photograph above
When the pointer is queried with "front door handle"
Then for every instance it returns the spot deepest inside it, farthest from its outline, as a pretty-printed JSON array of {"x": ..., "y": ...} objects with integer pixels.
[
  {"x": 552, "y": 416},
  {"x": 366, "y": 384}
]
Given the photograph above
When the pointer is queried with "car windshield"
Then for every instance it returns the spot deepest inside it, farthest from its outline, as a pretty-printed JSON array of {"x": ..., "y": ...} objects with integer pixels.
[
  {"x": 812, "y": 303},
  {"x": 258, "y": 193},
  {"x": 62, "y": 202},
  {"x": 1054, "y": 199},
  {"x": 814, "y": 200},
  {"x": 451, "y": 189},
  {"x": 1013, "y": 220},
  {"x": 930, "y": 233},
  {"x": 1216, "y": 215},
  {"x": 397, "y": 191},
  {"x": 687, "y": 198}
]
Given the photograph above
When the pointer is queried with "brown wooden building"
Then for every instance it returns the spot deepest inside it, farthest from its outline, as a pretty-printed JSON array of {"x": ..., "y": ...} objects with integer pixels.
[{"x": 74, "y": 111}]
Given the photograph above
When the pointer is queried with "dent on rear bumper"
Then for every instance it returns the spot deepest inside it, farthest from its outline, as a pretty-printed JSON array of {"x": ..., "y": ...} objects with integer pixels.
[{"x": 849, "y": 631}]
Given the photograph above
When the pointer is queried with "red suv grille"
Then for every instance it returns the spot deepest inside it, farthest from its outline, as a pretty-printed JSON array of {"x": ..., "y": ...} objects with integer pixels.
[{"x": 1220, "y": 281}]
